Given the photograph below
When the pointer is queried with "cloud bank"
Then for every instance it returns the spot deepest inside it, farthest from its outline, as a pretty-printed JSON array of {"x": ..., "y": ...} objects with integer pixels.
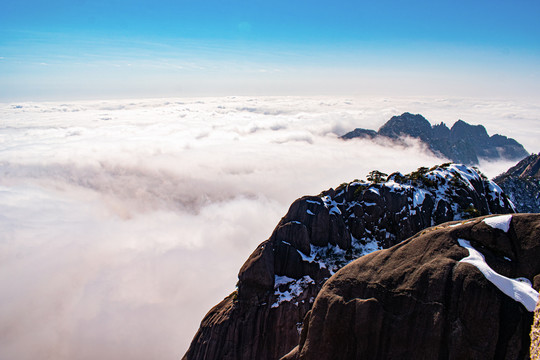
[{"x": 123, "y": 222}]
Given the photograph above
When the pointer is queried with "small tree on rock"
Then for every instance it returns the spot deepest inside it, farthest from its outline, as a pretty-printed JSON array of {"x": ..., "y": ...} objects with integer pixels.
[{"x": 376, "y": 176}]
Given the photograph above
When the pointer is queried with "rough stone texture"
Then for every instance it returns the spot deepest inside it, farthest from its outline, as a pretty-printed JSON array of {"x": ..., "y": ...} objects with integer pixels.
[
  {"x": 463, "y": 143},
  {"x": 522, "y": 184},
  {"x": 417, "y": 301},
  {"x": 319, "y": 235},
  {"x": 535, "y": 335}
]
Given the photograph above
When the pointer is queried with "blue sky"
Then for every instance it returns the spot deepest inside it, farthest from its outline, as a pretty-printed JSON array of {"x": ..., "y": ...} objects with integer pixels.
[{"x": 101, "y": 49}]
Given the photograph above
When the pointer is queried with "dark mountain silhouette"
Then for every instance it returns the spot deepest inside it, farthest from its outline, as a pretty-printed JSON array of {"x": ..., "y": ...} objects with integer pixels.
[{"x": 463, "y": 143}]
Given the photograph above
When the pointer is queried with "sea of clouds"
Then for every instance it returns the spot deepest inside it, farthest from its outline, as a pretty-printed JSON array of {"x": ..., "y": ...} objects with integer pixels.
[{"x": 123, "y": 222}]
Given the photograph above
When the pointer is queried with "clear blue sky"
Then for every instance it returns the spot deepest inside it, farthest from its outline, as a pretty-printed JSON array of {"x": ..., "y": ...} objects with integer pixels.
[{"x": 117, "y": 48}]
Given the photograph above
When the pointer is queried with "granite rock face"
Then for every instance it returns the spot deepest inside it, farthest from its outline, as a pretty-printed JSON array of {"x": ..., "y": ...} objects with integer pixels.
[
  {"x": 535, "y": 335},
  {"x": 522, "y": 184},
  {"x": 463, "y": 143},
  {"x": 319, "y": 235},
  {"x": 418, "y": 300}
]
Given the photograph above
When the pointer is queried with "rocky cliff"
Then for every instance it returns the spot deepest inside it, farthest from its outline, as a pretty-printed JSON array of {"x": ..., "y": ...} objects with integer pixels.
[
  {"x": 318, "y": 236},
  {"x": 463, "y": 143},
  {"x": 535, "y": 335},
  {"x": 522, "y": 184},
  {"x": 456, "y": 291}
]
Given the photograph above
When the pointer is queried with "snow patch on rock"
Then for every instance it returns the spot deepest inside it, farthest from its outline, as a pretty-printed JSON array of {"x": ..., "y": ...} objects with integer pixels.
[
  {"x": 501, "y": 222},
  {"x": 519, "y": 289},
  {"x": 331, "y": 205},
  {"x": 419, "y": 197},
  {"x": 287, "y": 289}
]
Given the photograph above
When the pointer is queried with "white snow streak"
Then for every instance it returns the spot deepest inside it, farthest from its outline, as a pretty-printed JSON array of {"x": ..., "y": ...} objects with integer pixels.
[{"x": 518, "y": 289}]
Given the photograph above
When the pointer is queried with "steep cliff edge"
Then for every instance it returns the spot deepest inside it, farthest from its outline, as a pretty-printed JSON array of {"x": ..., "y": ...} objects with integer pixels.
[
  {"x": 535, "y": 335},
  {"x": 455, "y": 291},
  {"x": 522, "y": 184},
  {"x": 318, "y": 236}
]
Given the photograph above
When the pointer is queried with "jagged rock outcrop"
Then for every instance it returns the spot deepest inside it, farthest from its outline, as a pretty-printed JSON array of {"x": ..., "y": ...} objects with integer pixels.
[
  {"x": 463, "y": 143},
  {"x": 422, "y": 300},
  {"x": 319, "y": 235},
  {"x": 522, "y": 184},
  {"x": 535, "y": 335}
]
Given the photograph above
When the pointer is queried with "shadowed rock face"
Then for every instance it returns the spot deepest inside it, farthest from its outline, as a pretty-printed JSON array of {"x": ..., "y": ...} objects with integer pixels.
[
  {"x": 463, "y": 143},
  {"x": 416, "y": 300},
  {"x": 522, "y": 184},
  {"x": 319, "y": 235}
]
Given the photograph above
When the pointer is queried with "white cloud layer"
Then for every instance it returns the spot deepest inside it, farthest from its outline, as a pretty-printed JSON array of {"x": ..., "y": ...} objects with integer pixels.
[{"x": 123, "y": 222}]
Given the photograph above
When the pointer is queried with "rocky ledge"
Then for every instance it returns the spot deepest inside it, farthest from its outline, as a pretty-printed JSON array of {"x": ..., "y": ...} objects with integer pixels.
[
  {"x": 456, "y": 291},
  {"x": 318, "y": 236}
]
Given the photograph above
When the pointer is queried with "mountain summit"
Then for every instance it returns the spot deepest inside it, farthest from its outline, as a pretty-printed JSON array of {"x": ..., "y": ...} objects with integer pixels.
[
  {"x": 463, "y": 143},
  {"x": 319, "y": 235}
]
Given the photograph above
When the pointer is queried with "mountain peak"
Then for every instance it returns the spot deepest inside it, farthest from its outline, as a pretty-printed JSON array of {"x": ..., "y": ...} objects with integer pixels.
[
  {"x": 414, "y": 125},
  {"x": 463, "y": 143},
  {"x": 321, "y": 234},
  {"x": 463, "y": 130}
]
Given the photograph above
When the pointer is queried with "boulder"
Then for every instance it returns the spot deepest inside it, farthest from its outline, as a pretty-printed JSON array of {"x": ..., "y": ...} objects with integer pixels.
[{"x": 418, "y": 300}]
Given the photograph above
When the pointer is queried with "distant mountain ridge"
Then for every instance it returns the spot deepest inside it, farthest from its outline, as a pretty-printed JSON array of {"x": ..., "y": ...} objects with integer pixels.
[{"x": 463, "y": 143}]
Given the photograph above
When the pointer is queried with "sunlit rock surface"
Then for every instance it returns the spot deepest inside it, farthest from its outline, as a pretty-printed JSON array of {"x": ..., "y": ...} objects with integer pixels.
[{"x": 425, "y": 299}]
